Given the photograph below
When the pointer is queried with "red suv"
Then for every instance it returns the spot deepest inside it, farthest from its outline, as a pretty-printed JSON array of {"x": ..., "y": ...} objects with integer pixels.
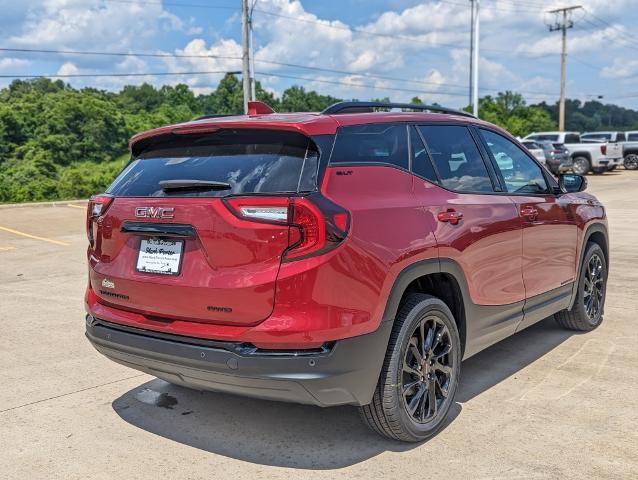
[{"x": 351, "y": 256}]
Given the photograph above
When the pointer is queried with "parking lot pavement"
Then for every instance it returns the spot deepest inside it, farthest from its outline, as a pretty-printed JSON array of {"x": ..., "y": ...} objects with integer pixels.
[{"x": 545, "y": 403}]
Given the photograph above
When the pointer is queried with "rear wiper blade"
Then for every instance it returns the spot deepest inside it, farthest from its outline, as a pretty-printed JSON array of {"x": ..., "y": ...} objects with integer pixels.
[{"x": 168, "y": 185}]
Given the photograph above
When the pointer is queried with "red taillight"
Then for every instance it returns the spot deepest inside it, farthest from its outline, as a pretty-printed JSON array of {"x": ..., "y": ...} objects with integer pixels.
[
  {"x": 268, "y": 209},
  {"x": 311, "y": 224},
  {"x": 97, "y": 206},
  {"x": 603, "y": 149},
  {"x": 315, "y": 226}
]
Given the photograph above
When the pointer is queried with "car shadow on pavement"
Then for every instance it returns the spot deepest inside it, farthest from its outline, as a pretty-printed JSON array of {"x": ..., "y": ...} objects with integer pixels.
[{"x": 302, "y": 436}]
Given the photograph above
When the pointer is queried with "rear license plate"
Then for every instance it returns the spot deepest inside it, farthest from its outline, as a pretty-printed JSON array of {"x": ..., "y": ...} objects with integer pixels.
[{"x": 158, "y": 255}]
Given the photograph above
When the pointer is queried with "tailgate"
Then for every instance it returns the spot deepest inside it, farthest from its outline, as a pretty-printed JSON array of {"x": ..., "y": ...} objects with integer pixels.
[
  {"x": 170, "y": 246},
  {"x": 614, "y": 150}
]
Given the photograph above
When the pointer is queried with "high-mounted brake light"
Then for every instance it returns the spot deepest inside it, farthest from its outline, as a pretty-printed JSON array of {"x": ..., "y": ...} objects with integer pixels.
[
  {"x": 316, "y": 225},
  {"x": 97, "y": 206},
  {"x": 195, "y": 129}
]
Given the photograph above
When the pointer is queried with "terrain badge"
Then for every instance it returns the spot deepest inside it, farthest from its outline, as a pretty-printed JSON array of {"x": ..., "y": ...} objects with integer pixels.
[{"x": 106, "y": 283}]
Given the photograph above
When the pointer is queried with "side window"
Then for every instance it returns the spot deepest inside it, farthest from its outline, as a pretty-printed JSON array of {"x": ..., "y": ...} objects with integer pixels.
[
  {"x": 572, "y": 138},
  {"x": 620, "y": 137},
  {"x": 372, "y": 144},
  {"x": 521, "y": 173},
  {"x": 421, "y": 164},
  {"x": 457, "y": 158}
]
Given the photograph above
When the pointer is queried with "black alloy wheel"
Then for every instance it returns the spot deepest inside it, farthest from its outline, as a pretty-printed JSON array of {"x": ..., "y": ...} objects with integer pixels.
[
  {"x": 594, "y": 287},
  {"x": 427, "y": 369},
  {"x": 420, "y": 373},
  {"x": 586, "y": 313}
]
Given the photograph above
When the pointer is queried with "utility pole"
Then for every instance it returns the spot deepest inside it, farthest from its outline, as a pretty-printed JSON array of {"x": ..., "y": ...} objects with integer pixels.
[
  {"x": 475, "y": 57},
  {"x": 245, "y": 54},
  {"x": 471, "y": 50},
  {"x": 562, "y": 22},
  {"x": 251, "y": 52}
]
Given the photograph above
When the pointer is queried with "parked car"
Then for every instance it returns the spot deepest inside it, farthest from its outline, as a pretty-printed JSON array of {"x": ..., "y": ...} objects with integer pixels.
[
  {"x": 535, "y": 149},
  {"x": 587, "y": 156},
  {"x": 348, "y": 257},
  {"x": 557, "y": 157},
  {"x": 630, "y": 150}
]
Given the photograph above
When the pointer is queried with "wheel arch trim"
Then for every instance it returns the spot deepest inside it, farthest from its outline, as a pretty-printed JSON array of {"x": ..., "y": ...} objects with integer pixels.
[{"x": 596, "y": 227}]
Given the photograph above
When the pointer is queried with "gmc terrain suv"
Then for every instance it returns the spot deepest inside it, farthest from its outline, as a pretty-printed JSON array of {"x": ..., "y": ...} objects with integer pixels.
[{"x": 345, "y": 257}]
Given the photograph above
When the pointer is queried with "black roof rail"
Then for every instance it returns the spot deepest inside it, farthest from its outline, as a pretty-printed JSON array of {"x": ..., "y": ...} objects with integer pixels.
[
  {"x": 216, "y": 115},
  {"x": 368, "y": 107}
]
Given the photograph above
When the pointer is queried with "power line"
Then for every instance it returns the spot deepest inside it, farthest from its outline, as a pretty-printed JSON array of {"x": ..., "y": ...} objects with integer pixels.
[
  {"x": 237, "y": 58},
  {"x": 174, "y": 4},
  {"x": 137, "y": 74},
  {"x": 278, "y": 75}
]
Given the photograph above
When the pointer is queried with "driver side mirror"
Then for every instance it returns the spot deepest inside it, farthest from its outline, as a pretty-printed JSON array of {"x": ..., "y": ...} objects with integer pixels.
[{"x": 570, "y": 183}]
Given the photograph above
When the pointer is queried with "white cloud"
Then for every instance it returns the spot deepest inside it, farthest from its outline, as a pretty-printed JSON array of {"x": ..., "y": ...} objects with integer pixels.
[
  {"x": 426, "y": 44},
  {"x": 68, "y": 69},
  {"x": 621, "y": 68},
  {"x": 92, "y": 23},
  {"x": 13, "y": 64}
]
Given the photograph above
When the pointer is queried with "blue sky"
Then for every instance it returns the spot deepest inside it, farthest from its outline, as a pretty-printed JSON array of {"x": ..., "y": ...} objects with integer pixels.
[{"x": 395, "y": 48}]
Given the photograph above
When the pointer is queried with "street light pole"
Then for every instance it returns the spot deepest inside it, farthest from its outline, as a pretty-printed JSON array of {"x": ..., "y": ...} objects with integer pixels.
[
  {"x": 475, "y": 61},
  {"x": 245, "y": 54}
]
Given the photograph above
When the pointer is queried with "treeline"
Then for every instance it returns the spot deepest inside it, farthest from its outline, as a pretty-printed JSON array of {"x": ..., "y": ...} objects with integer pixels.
[{"x": 57, "y": 142}]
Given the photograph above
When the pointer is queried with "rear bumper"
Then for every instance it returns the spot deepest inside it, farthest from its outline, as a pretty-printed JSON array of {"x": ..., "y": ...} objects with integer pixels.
[{"x": 346, "y": 373}]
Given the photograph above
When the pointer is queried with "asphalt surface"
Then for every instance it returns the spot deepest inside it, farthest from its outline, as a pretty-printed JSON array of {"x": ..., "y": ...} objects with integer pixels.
[{"x": 545, "y": 403}]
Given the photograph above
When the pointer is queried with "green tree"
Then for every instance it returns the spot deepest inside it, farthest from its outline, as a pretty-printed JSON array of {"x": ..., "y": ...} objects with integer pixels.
[{"x": 508, "y": 110}]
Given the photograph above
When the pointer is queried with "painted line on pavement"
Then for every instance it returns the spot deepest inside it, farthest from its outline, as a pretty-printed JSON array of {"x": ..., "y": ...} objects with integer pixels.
[{"x": 35, "y": 237}]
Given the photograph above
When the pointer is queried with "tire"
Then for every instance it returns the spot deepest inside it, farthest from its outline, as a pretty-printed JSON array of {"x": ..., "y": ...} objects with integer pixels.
[
  {"x": 581, "y": 317},
  {"x": 405, "y": 382},
  {"x": 631, "y": 161},
  {"x": 581, "y": 166}
]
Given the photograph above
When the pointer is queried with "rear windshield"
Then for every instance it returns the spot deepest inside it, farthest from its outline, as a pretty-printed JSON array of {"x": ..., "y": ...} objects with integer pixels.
[
  {"x": 596, "y": 136},
  {"x": 249, "y": 161},
  {"x": 544, "y": 137}
]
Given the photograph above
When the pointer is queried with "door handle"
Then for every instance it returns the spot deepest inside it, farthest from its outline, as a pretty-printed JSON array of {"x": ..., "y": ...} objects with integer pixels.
[
  {"x": 530, "y": 213},
  {"x": 451, "y": 216}
]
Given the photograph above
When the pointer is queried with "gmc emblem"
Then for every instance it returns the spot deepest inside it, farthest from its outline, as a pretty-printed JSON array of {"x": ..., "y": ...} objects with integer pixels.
[{"x": 154, "y": 212}]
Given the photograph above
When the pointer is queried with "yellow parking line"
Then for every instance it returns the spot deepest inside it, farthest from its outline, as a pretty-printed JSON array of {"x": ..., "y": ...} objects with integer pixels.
[
  {"x": 28, "y": 235},
  {"x": 76, "y": 206},
  {"x": 4, "y": 249}
]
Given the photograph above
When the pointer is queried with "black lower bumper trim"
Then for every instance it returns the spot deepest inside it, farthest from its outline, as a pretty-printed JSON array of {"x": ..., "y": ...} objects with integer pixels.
[{"x": 346, "y": 374}]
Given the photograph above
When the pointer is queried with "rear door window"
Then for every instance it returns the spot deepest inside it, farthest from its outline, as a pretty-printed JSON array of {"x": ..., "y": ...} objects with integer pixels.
[
  {"x": 457, "y": 159},
  {"x": 373, "y": 143},
  {"x": 421, "y": 163},
  {"x": 249, "y": 161}
]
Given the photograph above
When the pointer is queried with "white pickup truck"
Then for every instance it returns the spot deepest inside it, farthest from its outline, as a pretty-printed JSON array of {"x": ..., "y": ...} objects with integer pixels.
[
  {"x": 587, "y": 156},
  {"x": 629, "y": 141}
]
